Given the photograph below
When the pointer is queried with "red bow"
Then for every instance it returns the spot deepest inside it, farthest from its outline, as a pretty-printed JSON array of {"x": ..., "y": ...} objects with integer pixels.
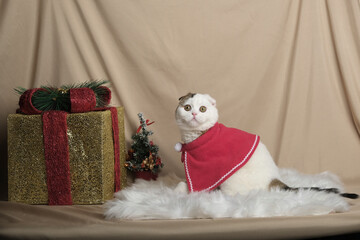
[{"x": 147, "y": 122}]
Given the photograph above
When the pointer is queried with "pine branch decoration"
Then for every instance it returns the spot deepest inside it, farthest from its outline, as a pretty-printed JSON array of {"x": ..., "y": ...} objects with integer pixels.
[{"x": 59, "y": 98}]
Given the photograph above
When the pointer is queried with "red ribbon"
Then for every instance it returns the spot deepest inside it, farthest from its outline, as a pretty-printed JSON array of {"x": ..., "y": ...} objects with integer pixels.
[
  {"x": 56, "y": 153},
  {"x": 25, "y": 102},
  {"x": 115, "y": 127},
  {"x": 147, "y": 123},
  {"x": 82, "y": 100},
  {"x": 56, "y": 148}
]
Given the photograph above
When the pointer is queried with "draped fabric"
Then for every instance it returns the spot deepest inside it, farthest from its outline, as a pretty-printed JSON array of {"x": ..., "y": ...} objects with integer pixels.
[{"x": 287, "y": 71}]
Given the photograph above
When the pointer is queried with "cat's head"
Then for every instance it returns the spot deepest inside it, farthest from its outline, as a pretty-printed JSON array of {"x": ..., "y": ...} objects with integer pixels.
[{"x": 196, "y": 112}]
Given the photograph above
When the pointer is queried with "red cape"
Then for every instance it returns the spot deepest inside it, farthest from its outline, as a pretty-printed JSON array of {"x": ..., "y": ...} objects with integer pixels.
[{"x": 213, "y": 157}]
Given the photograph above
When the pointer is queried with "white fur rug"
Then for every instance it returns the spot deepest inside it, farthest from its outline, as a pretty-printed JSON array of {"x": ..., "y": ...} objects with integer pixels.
[{"x": 158, "y": 200}]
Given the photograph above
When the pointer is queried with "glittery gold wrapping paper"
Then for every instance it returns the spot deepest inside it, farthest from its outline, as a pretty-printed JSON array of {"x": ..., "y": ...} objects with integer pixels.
[{"x": 91, "y": 156}]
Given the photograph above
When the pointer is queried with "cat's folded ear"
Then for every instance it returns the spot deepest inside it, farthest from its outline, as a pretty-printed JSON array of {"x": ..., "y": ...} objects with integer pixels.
[
  {"x": 211, "y": 100},
  {"x": 189, "y": 95}
]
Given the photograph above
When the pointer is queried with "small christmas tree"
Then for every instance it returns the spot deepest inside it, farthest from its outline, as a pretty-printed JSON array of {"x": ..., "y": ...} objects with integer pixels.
[{"x": 143, "y": 155}]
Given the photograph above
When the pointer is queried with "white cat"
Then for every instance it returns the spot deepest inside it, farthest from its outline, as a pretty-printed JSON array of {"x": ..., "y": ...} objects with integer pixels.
[{"x": 197, "y": 118}]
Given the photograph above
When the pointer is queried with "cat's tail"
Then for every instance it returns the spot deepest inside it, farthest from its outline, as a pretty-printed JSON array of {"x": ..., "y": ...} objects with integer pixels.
[{"x": 276, "y": 183}]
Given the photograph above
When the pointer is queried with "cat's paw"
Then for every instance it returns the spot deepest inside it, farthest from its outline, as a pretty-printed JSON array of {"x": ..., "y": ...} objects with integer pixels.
[
  {"x": 181, "y": 188},
  {"x": 178, "y": 147}
]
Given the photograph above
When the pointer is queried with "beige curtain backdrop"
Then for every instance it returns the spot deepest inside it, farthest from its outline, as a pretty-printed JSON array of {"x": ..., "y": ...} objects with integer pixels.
[{"x": 288, "y": 71}]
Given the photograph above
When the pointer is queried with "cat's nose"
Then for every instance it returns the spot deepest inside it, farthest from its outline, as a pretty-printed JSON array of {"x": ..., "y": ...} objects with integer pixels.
[{"x": 194, "y": 114}]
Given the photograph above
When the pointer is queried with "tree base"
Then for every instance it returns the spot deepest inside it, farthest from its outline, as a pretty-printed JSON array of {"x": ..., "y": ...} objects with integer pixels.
[{"x": 146, "y": 175}]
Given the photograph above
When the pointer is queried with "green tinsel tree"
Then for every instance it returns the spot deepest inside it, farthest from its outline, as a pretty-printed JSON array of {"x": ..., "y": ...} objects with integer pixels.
[
  {"x": 143, "y": 155},
  {"x": 59, "y": 98}
]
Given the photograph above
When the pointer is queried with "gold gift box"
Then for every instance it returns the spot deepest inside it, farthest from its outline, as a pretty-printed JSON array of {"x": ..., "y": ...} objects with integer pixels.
[{"x": 91, "y": 157}]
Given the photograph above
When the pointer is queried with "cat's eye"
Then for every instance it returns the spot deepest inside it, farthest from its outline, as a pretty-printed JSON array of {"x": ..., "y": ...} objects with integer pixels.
[
  {"x": 187, "y": 107},
  {"x": 202, "y": 109}
]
